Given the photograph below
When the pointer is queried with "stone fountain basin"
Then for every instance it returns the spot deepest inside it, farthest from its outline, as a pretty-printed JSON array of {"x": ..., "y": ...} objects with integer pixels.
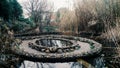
[{"x": 87, "y": 47}]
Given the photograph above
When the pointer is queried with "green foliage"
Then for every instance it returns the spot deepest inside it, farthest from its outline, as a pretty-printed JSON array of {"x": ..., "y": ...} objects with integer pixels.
[
  {"x": 20, "y": 26},
  {"x": 16, "y": 9},
  {"x": 5, "y": 9},
  {"x": 11, "y": 13},
  {"x": 10, "y": 9}
]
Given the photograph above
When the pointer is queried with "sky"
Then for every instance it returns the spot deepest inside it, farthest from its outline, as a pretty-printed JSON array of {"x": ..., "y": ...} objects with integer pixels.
[
  {"x": 62, "y": 3},
  {"x": 57, "y": 3}
]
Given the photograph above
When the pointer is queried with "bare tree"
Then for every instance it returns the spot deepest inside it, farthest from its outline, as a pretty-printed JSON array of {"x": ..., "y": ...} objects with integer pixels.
[
  {"x": 103, "y": 12},
  {"x": 67, "y": 20},
  {"x": 38, "y": 10},
  {"x": 85, "y": 12}
]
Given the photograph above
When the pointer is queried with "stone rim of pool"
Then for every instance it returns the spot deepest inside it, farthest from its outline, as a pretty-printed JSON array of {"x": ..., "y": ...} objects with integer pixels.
[{"x": 85, "y": 48}]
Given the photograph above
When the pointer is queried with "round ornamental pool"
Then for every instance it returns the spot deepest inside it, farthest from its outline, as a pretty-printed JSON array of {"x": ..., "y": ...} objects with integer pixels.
[{"x": 55, "y": 47}]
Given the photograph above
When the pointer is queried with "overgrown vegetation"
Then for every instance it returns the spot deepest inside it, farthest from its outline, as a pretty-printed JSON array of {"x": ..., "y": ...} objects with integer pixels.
[
  {"x": 11, "y": 16},
  {"x": 96, "y": 16},
  {"x": 93, "y": 15}
]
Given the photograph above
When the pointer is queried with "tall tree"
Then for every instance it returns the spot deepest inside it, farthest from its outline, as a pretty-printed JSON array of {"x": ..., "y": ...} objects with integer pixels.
[
  {"x": 10, "y": 9},
  {"x": 16, "y": 10},
  {"x": 5, "y": 9},
  {"x": 38, "y": 9}
]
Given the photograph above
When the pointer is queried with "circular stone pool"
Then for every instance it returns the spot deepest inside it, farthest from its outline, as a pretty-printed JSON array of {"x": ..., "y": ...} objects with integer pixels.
[{"x": 55, "y": 48}]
